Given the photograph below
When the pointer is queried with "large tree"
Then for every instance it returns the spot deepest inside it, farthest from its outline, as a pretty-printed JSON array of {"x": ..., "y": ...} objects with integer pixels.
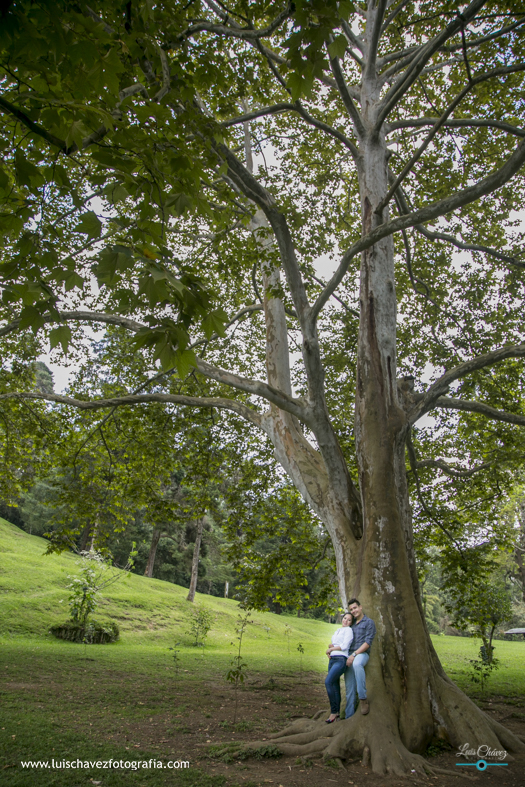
[{"x": 229, "y": 144}]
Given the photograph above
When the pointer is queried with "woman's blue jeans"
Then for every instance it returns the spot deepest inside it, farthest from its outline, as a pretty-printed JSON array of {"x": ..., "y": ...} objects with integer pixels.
[{"x": 336, "y": 667}]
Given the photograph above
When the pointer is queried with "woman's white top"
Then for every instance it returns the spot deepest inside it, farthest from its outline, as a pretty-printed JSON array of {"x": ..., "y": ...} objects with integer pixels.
[{"x": 342, "y": 637}]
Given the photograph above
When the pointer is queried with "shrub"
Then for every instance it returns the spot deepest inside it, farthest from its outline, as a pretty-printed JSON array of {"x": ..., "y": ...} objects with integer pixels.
[{"x": 92, "y": 633}]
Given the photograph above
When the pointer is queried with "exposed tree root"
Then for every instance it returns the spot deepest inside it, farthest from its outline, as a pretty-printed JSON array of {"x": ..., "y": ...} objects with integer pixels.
[{"x": 375, "y": 739}]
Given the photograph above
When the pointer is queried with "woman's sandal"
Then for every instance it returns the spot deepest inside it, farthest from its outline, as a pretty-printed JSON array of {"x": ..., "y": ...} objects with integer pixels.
[{"x": 331, "y": 721}]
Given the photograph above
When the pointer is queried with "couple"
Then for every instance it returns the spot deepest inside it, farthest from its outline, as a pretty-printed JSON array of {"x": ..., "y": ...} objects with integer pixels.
[{"x": 358, "y": 632}]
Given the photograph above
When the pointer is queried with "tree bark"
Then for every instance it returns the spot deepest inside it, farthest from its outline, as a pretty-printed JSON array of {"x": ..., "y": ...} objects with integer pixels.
[
  {"x": 84, "y": 537},
  {"x": 155, "y": 538},
  {"x": 195, "y": 561}
]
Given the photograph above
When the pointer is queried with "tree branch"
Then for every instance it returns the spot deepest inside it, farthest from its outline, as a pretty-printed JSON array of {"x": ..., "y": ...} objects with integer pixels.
[
  {"x": 297, "y": 107},
  {"x": 413, "y": 466},
  {"x": 256, "y": 388},
  {"x": 446, "y": 114},
  {"x": 379, "y": 14},
  {"x": 257, "y": 113},
  {"x": 392, "y": 15},
  {"x": 129, "y": 400},
  {"x": 80, "y": 316},
  {"x": 449, "y": 403},
  {"x": 35, "y": 128},
  {"x": 347, "y": 98},
  {"x": 440, "y": 208},
  {"x": 468, "y": 246},
  {"x": 456, "y": 123},
  {"x": 252, "y": 189},
  {"x": 452, "y": 471},
  {"x": 427, "y": 401},
  {"x": 396, "y": 92},
  {"x": 353, "y": 39},
  {"x": 410, "y": 52},
  {"x": 244, "y": 33}
]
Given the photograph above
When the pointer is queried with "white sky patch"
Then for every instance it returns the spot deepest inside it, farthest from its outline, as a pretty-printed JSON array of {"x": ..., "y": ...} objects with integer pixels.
[{"x": 63, "y": 372}]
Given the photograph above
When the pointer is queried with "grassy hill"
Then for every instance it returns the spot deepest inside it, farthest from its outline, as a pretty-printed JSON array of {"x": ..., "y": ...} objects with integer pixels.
[{"x": 151, "y": 613}]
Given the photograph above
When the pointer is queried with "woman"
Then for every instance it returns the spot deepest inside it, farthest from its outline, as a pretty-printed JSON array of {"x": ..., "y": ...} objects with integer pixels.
[{"x": 337, "y": 654}]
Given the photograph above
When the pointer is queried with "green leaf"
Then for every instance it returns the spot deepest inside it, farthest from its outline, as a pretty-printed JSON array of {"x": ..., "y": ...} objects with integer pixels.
[
  {"x": 60, "y": 335},
  {"x": 90, "y": 225},
  {"x": 185, "y": 362},
  {"x": 76, "y": 133},
  {"x": 214, "y": 323},
  {"x": 345, "y": 8},
  {"x": 296, "y": 83},
  {"x": 116, "y": 193},
  {"x": 72, "y": 280},
  {"x": 26, "y": 172},
  {"x": 178, "y": 203},
  {"x": 338, "y": 46},
  {"x": 30, "y": 317}
]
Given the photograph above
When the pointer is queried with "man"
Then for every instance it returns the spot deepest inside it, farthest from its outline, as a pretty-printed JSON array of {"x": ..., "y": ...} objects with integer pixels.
[{"x": 364, "y": 631}]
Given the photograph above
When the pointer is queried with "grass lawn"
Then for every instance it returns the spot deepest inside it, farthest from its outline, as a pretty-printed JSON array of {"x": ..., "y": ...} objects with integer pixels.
[{"x": 127, "y": 702}]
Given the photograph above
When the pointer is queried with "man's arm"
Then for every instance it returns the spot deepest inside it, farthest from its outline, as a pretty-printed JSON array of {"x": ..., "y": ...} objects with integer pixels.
[
  {"x": 361, "y": 649},
  {"x": 370, "y": 634}
]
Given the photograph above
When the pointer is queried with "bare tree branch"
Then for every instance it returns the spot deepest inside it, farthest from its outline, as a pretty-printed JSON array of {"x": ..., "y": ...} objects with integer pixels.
[
  {"x": 80, "y": 316},
  {"x": 35, "y": 128},
  {"x": 449, "y": 403},
  {"x": 333, "y": 132},
  {"x": 257, "y": 113},
  {"x": 440, "y": 208},
  {"x": 220, "y": 403},
  {"x": 427, "y": 401},
  {"x": 446, "y": 114},
  {"x": 452, "y": 471},
  {"x": 255, "y": 387},
  {"x": 469, "y": 246},
  {"x": 413, "y": 466},
  {"x": 352, "y": 38},
  {"x": 166, "y": 77},
  {"x": 347, "y": 98},
  {"x": 296, "y": 107},
  {"x": 456, "y": 123},
  {"x": 231, "y": 31},
  {"x": 373, "y": 40},
  {"x": 392, "y": 15},
  {"x": 418, "y": 63}
]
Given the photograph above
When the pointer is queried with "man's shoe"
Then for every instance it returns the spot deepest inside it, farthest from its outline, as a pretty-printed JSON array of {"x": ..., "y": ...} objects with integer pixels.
[{"x": 365, "y": 707}]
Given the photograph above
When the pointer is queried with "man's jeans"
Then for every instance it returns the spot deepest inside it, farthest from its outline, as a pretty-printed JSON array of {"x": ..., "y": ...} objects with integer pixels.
[
  {"x": 355, "y": 675},
  {"x": 336, "y": 667}
]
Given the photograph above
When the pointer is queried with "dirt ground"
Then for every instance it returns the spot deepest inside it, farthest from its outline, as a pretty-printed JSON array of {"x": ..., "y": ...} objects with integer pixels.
[
  {"x": 183, "y": 719},
  {"x": 267, "y": 706}
]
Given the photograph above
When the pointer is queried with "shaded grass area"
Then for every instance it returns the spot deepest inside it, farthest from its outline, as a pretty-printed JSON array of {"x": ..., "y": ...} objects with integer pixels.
[{"x": 63, "y": 701}]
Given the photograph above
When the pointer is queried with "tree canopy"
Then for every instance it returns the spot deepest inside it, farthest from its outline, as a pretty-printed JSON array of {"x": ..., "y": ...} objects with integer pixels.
[{"x": 164, "y": 164}]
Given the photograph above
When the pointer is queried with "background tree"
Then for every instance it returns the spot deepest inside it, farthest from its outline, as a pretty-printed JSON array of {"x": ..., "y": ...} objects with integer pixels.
[{"x": 386, "y": 137}]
